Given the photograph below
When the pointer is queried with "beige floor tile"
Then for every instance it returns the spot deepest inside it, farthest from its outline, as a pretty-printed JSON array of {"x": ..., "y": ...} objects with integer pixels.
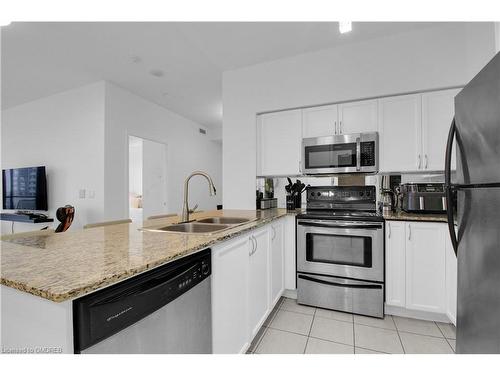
[
  {"x": 448, "y": 330},
  {"x": 379, "y": 339},
  {"x": 386, "y": 323},
  {"x": 421, "y": 327},
  {"x": 331, "y": 314},
  {"x": 332, "y": 330},
  {"x": 419, "y": 344},
  {"x": 280, "y": 342},
  {"x": 358, "y": 350},
  {"x": 453, "y": 344},
  {"x": 292, "y": 322},
  {"x": 292, "y": 305},
  {"x": 317, "y": 346}
]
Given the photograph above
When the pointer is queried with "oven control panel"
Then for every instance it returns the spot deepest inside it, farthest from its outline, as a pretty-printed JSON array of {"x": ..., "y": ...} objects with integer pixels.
[{"x": 331, "y": 197}]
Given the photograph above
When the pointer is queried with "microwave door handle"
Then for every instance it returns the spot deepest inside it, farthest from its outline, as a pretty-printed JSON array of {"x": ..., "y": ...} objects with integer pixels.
[
  {"x": 358, "y": 153},
  {"x": 356, "y": 286}
]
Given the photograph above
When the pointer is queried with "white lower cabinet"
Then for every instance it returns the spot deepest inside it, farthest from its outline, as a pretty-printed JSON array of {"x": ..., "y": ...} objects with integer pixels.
[
  {"x": 247, "y": 281},
  {"x": 229, "y": 296},
  {"x": 451, "y": 282},
  {"x": 277, "y": 256},
  {"x": 420, "y": 272},
  {"x": 258, "y": 280},
  {"x": 425, "y": 267},
  {"x": 395, "y": 258}
]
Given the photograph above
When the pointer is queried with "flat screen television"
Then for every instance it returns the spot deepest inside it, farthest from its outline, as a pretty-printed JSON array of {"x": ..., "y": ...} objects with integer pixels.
[{"x": 24, "y": 189}]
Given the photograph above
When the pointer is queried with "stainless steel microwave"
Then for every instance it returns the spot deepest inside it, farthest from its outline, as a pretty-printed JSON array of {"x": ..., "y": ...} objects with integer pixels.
[{"x": 346, "y": 153}]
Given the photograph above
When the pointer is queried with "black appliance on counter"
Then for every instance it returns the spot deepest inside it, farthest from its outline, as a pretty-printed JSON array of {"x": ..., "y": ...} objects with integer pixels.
[
  {"x": 423, "y": 198},
  {"x": 340, "y": 250}
]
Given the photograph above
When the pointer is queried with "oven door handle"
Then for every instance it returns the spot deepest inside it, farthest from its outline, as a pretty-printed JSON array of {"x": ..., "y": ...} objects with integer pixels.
[
  {"x": 356, "y": 286},
  {"x": 342, "y": 226}
]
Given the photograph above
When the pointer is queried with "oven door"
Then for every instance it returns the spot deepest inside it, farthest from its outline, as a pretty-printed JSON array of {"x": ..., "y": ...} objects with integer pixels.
[
  {"x": 351, "y": 249},
  {"x": 349, "y": 153}
]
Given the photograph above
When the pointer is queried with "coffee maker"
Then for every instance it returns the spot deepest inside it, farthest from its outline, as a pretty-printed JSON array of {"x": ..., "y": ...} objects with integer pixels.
[{"x": 389, "y": 193}]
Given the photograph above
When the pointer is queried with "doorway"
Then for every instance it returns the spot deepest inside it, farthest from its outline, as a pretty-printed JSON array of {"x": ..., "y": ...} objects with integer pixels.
[{"x": 147, "y": 178}]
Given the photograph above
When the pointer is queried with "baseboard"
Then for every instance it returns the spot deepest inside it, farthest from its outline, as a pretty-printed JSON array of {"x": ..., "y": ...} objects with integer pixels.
[
  {"x": 289, "y": 293},
  {"x": 423, "y": 315}
]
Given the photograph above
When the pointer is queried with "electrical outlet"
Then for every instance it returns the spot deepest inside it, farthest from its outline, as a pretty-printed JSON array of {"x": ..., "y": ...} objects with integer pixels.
[
  {"x": 81, "y": 193},
  {"x": 91, "y": 194}
]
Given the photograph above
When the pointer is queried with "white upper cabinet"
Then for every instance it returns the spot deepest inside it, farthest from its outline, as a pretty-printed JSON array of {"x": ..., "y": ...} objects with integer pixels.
[
  {"x": 358, "y": 117},
  {"x": 438, "y": 108},
  {"x": 320, "y": 121},
  {"x": 425, "y": 267},
  {"x": 395, "y": 263},
  {"x": 400, "y": 133},
  {"x": 279, "y": 143}
]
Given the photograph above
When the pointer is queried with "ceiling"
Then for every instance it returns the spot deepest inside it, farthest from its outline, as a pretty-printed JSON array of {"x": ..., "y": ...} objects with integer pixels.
[{"x": 176, "y": 65}]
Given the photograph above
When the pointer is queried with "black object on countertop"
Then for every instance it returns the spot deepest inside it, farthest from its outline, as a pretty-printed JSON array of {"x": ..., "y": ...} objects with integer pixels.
[{"x": 26, "y": 218}]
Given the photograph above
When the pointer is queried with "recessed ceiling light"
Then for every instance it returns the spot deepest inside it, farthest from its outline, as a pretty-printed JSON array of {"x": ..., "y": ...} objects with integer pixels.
[
  {"x": 156, "y": 73},
  {"x": 136, "y": 59},
  {"x": 345, "y": 27}
]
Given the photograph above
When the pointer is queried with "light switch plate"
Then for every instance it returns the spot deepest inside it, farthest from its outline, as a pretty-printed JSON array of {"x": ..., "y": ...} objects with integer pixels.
[{"x": 81, "y": 193}]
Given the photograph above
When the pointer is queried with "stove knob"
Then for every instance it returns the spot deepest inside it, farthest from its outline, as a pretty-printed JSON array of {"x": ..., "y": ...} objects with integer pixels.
[
  {"x": 205, "y": 269},
  {"x": 367, "y": 193},
  {"x": 361, "y": 193},
  {"x": 312, "y": 194}
]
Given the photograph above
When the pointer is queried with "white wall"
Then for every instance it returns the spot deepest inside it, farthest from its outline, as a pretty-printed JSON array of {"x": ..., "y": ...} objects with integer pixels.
[
  {"x": 432, "y": 58},
  {"x": 188, "y": 150},
  {"x": 64, "y": 132},
  {"x": 135, "y": 166}
]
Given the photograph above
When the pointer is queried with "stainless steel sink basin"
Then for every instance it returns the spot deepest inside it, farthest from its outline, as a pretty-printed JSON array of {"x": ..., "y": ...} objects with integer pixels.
[
  {"x": 224, "y": 220},
  {"x": 194, "y": 227}
]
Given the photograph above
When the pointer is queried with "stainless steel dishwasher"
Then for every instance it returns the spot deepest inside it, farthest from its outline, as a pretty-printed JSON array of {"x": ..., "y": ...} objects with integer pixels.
[{"x": 166, "y": 310}]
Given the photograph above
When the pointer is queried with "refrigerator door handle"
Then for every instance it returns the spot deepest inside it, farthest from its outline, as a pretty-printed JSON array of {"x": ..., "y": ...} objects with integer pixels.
[{"x": 449, "y": 186}]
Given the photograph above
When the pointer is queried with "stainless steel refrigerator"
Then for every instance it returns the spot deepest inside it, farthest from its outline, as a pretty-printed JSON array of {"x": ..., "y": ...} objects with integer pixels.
[{"x": 476, "y": 128}]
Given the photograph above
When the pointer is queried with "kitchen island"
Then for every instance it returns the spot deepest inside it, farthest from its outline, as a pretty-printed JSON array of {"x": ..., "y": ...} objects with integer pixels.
[{"x": 43, "y": 272}]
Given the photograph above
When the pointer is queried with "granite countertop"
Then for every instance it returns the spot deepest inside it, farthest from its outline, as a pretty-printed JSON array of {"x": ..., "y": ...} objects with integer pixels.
[
  {"x": 63, "y": 266},
  {"x": 406, "y": 216}
]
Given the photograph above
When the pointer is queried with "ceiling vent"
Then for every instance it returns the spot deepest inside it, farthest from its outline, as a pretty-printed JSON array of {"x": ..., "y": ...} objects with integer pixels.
[{"x": 202, "y": 131}]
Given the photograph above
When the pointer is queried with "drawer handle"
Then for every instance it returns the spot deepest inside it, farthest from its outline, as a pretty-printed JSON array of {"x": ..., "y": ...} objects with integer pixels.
[{"x": 355, "y": 286}]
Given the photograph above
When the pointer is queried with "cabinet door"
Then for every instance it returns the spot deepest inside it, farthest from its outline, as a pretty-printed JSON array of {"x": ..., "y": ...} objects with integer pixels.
[
  {"x": 258, "y": 281},
  {"x": 438, "y": 109},
  {"x": 358, "y": 117},
  {"x": 395, "y": 263},
  {"x": 425, "y": 267},
  {"x": 400, "y": 133},
  {"x": 229, "y": 296},
  {"x": 451, "y": 282},
  {"x": 320, "y": 121},
  {"x": 277, "y": 261},
  {"x": 290, "y": 253},
  {"x": 279, "y": 138}
]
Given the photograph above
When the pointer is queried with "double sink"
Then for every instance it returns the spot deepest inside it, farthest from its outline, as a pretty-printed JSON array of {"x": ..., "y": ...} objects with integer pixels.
[{"x": 208, "y": 226}]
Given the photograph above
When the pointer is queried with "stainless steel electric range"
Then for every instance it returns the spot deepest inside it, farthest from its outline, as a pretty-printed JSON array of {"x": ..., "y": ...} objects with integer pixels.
[{"x": 340, "y": 250}]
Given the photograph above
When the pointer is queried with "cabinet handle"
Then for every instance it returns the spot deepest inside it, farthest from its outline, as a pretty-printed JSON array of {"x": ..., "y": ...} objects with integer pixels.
[
  {"x": 340, "y": 128},
  {"x": 253, "y": 245},
  {"x": 409, "y": 232},
  {"x": 274, "y": 234},
  {"x": 335, "y": 125},
  {"x": 419, "y": 161},
  {"x": 300, "y": 166},
  {"x": 426, "y": 161},
  {"x": 389, "y": 225}
]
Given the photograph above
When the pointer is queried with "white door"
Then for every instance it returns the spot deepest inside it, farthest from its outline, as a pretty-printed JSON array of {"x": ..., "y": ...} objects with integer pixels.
[
  {"x": 320, "y": 121},
  {"x": 258, "y": 280},
  {"x": 229, "y": 296},
  {"x": 395, "y": 263},
  {"x": 425, "y": 265},
  {"x": 358, "y": 117},
  {"x": 279, "y": 143},
  {"x": 438, "y": 109},
  {"x": 400, "y": 133},
  {"x": 154, "y": 177},
  {"x": 451, "y": 281},
  {"x": 277, "y": 261}
]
